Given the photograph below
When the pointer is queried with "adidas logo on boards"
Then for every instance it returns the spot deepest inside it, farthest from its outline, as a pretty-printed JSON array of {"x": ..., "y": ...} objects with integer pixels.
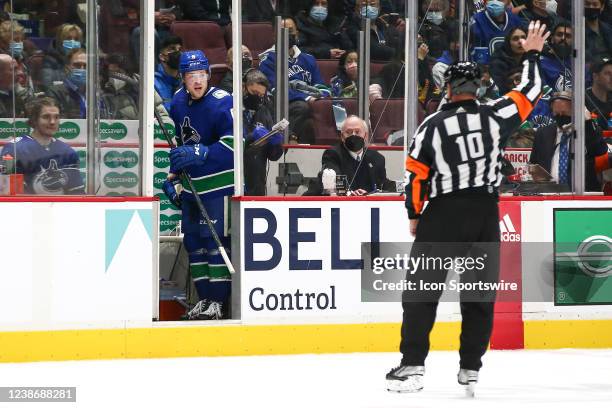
[{"x": 508, "y": 232}]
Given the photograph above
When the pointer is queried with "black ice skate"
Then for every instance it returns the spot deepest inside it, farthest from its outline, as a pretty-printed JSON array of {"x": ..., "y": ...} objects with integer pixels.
[
  {"x": 405, "y": 379},
  {"x": 468, "y": 378}
]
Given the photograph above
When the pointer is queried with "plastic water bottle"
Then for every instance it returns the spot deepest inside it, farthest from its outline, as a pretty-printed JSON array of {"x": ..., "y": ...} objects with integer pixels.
[{"x": 7, "y": 164}]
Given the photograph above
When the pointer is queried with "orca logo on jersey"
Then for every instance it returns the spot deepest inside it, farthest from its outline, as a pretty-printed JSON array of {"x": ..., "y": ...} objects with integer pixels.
[
  {"x": 188, "y": 133},
  {"x": 51, "y": 180}
]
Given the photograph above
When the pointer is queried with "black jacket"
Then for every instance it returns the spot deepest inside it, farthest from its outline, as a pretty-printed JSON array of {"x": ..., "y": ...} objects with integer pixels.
[
  {"x": 544, "y": 147},
  {"x": 385, "y": 42},
  {"x": 371, "y": 174},
  {"x": 320, "y": 38},
  {"x": 256, "y": 158},
  {"x": 207, "y": 10},
  {"x": 262, "y": 10},
  {"x": 501, "y": 63}
]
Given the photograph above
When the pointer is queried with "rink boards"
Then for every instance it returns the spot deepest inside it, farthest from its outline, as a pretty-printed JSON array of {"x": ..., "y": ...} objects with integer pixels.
[{"x": 89, "y": 293}]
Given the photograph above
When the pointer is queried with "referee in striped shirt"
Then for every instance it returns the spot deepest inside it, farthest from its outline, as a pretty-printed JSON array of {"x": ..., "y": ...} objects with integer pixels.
[{"x": 455, "y": 160}]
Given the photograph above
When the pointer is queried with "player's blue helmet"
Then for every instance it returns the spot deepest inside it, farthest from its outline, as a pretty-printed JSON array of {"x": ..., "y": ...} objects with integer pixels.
[{"x": 193, "y": 61}]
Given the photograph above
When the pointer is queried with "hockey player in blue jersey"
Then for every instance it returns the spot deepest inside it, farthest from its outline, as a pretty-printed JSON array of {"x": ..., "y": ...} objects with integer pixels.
[
  {"x": 202, "y": 115},
  {"x": 49, "y": 166}
]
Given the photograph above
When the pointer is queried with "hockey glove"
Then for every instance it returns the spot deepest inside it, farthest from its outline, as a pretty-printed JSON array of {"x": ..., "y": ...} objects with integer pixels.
[
  {"x": 187, "y": 155},
  {"x": 259, "y": 132},
  {"x": 276, "y": 140},
  {"x": 169, "y": 189}
]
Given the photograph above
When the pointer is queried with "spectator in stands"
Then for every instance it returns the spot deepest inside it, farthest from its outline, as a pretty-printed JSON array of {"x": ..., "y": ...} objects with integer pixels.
[
  {"x": 70, "y": 94},
  {"x": 597, "y": 98},
  {"x": 289, "y": 24},
  {"x": 68, "y": 38},
  {"x": 8, "y": 89},
  {"x": 439, "y": 31},
  {"x": 540, "y": 115},
  {"x": 304, "y": 76},
  {"x": 49, "y": 166},
  {"x": 167, "y": 79},
  {"x": 344, "y": 84},
  {"x": 324, "y": 34},
  {"x": 507, "y": 57},
  {"x": 258, "y": 120},
  {"x": 364, "y": 168},
  {"x": 490, "y": 26},
  {"x": 551, "y": 148},
  {"x": 385, "y": 37},
  {"x": 166, "y": 13},
  {"x": 227, "y": 83},
  {"x": 556, "y": 62},
  {"x": 119, "y": 96},
  {"x": 13, "y": 41},
  {"x": 598, "y": 35},
  {"x": 540, "y": 10},
  {"x": 266, "y": 10},
  {"x": 207, "y": 10}
]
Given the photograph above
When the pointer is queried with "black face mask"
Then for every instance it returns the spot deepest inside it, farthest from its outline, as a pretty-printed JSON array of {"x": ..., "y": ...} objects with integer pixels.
[
  {"x": 246, "y": 64},
  {"x": 592, "y": 13},
  {"x": 173, "y": 59},
  {"x": 252, "y": 101},
  {"x": 562, "y": 50},
  {"x": 562, "y": 120},
  {"x": 354, "y": 143},
  {"x": 292, "y": 40}
]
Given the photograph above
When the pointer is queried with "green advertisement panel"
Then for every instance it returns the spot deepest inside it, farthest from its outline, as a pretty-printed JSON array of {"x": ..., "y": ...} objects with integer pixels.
[{"x": 583, "y": 256}]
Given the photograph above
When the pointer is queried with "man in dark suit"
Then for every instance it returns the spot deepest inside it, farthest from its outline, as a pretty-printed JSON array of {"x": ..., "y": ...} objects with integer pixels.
[
  {"x": 363, "y": 167},
  {"x": 551, "y": 147}
]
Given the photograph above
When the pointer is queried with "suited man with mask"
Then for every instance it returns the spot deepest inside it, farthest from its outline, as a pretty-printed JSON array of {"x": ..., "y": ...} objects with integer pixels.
[
  {"x": 364, "y": 168},
  {"x": 551, "y": 148}
]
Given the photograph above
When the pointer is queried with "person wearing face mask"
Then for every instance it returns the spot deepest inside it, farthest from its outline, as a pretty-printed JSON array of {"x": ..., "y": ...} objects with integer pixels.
[
  {"x": 258, "y": 120},
  {"x": 167, "y": 78},
  {"x": 70, "y": 94},
  {"x": 385, "y": 38},
  {"x": 598, "y": 35},
  {"x": 227, "y": 83},
  {"x": 439, "y": 31},
  {"x": 543, "y": 10},
  {"x": 552, "y": 145},
  {"x": 364, "y": 168},
  {"x": 302, "y": 68},
  {"x": 12, "y": 102},
  {"x": 344, "y": 84},
  {"x": 14, "y": 42},
  {"x": 119, "y": 99},
  {"x": 557, "y": 59},
  {"x": 69, "y": 37},
  {"x": 324, "y": 34},
  {"x": 490, "y": 26}
]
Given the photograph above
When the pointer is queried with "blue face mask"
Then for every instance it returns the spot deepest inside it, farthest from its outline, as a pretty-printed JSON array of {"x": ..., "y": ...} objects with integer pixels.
[
  {"x": 496, "y": 8},
  {"x": 78, "y": 76},
  {"x": 318, "y": 13},
  {"x": 435, "y": 17},
  {"x": 16, "y": 49},
  {"x": 70, "y": 44},
  {"x": 370, "y": 12}
]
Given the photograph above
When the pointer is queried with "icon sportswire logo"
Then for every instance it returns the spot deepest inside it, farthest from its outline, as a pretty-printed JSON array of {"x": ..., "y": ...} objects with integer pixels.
[{"x": 508, "y": 232}]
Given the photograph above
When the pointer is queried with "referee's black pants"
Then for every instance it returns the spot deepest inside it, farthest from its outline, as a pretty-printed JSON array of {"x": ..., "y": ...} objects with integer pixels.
[{"x": 464, "y": 216}]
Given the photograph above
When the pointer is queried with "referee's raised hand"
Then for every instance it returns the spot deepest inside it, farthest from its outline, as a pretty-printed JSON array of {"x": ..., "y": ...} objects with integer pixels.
[{"x": 536, "y": 37}]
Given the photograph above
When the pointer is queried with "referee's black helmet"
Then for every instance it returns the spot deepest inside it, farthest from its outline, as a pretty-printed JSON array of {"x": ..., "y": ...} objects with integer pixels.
[{"x": 463, "y": 77}]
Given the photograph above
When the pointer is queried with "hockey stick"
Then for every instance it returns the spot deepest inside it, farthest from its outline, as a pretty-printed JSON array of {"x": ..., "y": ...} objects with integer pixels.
[
  {"x": 198, "y": 201},
  {"x": 279, "y": 127}
]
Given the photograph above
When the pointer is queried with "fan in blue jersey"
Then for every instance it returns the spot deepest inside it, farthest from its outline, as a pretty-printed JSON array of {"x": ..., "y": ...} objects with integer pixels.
[
  {"x": 49, "y": 166},
  {"x": 202, "y": 115},
  {"x": 490, "y": 26}
]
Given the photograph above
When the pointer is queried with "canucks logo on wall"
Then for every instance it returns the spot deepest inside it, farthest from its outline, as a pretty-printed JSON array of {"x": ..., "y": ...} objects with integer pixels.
[
  {"x": 53, "y": 180},
  {"x": 188, "y": 133}
]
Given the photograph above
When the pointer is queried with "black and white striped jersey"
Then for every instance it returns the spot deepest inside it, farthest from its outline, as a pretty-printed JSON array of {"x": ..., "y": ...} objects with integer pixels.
[{"x": 461, "y": 146}]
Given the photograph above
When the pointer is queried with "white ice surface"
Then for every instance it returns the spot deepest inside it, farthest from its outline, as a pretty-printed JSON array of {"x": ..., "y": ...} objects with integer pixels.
[{"x": 521, "y": 379}]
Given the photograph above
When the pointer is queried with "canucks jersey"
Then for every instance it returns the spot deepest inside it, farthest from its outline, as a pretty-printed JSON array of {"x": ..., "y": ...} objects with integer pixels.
[
  {"x": 302, "y": 67},
  {"x": 208, "y": 121},
  {"x": 48, "y": 170},
  {"x": 487, "y": 33}
]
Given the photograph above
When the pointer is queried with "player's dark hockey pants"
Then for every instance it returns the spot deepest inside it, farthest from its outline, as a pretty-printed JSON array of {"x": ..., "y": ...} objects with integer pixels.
[{"x": 470, "y": 216}]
